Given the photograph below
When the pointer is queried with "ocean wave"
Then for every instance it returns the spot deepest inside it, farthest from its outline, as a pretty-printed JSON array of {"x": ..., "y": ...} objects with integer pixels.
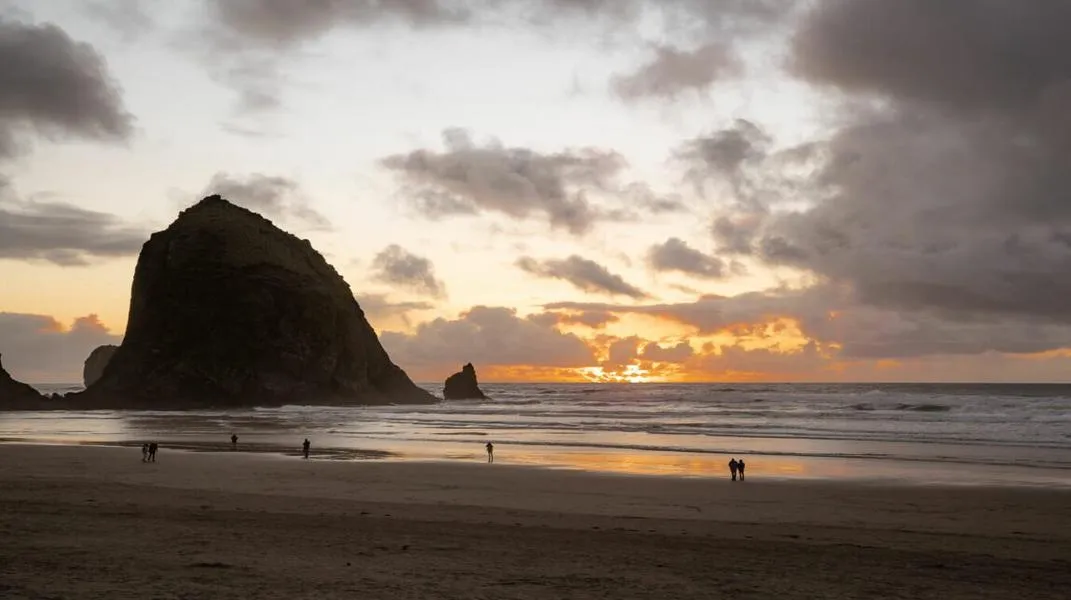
[{"x": 924, "y": 407}]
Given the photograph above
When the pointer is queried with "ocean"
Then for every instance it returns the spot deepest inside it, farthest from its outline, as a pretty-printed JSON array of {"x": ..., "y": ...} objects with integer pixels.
[{"x": 973, "y": 434}]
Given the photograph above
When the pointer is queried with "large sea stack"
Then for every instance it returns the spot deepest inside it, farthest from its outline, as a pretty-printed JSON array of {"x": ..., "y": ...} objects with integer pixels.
[
  {"x": 463, "y": 385},
  {"x": 227, "y": 309},
  {"x": 15, "y": 394}
]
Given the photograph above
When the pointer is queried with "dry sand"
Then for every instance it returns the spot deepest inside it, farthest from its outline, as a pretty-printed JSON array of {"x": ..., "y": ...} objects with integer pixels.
[{"x": 94, "y": 522}]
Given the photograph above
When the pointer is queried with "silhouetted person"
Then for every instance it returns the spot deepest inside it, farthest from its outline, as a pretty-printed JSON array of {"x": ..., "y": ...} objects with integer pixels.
[
  {"x": 733, "y": 466},
  {"x": 234, "y": 441},
  {"x": 144, "y": 453},
  {"x": 740, "y": 467},
  {"x": 305, "y": 447},
  {"x": 152, "y": 451},
  {"x": 490, "y": 452}
]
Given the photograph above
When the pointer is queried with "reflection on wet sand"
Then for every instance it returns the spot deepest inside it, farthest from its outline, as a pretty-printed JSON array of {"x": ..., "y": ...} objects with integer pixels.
[
  {"x": 390, "y": 434},
  {"x": 677, "y": 465}
]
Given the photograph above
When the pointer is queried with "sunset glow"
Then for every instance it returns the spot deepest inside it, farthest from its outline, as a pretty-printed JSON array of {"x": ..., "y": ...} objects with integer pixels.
[{"x": 620, "y": 203}]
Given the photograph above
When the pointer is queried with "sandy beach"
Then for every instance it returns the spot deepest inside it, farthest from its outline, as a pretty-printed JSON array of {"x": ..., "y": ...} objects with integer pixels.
[{"x": 95, "y": 522}]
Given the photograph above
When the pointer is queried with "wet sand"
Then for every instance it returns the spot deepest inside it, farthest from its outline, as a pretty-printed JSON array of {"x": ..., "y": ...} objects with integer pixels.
[{"x": 95, "y": 522}]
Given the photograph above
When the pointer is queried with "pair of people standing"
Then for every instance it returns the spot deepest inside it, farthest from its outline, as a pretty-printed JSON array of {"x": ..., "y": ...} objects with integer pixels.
[
  {"x": 148, "y": 452},
  {"x": 736, "y": 467}
]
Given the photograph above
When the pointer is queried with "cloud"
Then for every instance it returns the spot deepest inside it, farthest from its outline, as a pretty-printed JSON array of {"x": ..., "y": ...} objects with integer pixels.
[
  {"x": 282, "y": 24},
  {"x": 397, "y": 266},
  {"x": 594, "y": 319},
  {"x": 485, "y": 336},
  {"x": 675, "y": 255},
  {"x": 56, "y": 88},
  {"x": 735, "y": 362},
  {"x": 748, "y": 178},
  {"x": 947, "y": 188},
  {"x": 246, "y": 41},
  {"x": 130, "y": 18},
  {"x": 39, "y": 349},
  {"x": 582, "y": 273},
  {"x": 517, "y": 182},
  {"x": 989, "y": 56},
  {"x": 621, "y": 352},
  {"x": 61, "y": 233},
  {"x": 712, "y": 314},
  {"x": 274, "y": 196},
  {"x": 379, "y": 308},
  {"x": 672, "y": 72},
  {"x": 276, "y": 24},
  {"x": 833, "y": 316},
  {"x": 677, "y": 353}
]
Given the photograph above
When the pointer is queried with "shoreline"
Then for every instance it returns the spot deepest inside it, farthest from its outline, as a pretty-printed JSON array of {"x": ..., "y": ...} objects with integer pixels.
[
  {"x": 80, "y": 521},
  {"x": 904, "y": 473}
]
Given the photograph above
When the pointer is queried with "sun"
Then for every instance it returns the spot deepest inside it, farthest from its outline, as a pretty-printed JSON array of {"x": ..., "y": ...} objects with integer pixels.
[{"x": 630, "y": 374}]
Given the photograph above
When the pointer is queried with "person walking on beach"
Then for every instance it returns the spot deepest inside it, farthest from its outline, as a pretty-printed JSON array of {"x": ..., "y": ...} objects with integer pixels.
[
  {"x": 144, "y": 453},
  {"x": 490, "y": 452},
  {"x": 234, "y": 441},
  {"x": 740, "y": 467},
  {"x": 733, "y": 466},
  {"x": 152, "y": 451},
  {"x": 305, "y": 447}
]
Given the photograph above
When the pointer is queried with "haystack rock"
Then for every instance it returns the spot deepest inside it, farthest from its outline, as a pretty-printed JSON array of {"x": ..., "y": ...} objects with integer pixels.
[
  {"x": 227, "y": 309},
  {"x": 94, "y": 365},
  {"x": 463, "y": 385},
  {"x": 15, "y": 394}
]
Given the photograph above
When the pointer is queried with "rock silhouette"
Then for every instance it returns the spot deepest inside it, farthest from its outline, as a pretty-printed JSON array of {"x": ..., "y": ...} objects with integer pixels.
[
  {"x": 463, "y": 385},
  {"x": 227, "y": 309},
  {"x": 15, "y": 394},
  {"x": 95, "y": 363}
]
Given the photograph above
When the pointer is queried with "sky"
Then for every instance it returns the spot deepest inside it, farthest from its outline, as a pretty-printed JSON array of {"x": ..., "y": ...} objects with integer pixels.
[{"x": 566, "y": 190}]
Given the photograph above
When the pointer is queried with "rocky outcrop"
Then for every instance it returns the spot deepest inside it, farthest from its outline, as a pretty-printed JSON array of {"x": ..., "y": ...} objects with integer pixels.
[
  {"x": 463, "y": 385},
  {"x": 226, "y": 309},
  {"x": 94, "y": 365},
  {"x": 15, "y": 394}
]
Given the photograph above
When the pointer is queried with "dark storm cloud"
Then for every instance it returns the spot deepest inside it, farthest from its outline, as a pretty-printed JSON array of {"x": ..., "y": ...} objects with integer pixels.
[
  {"x": 55, "y": 87},
  {"x": 61, "y": 233},
  {"x": 397, "y": 266},
  {"x": 984, "y": 55},
  {"x": 517, "y": 182},
  {"x": 675, "y": 255},
  {"x": 673, "y": 71},
  {"x": 274, "y": 196},
  {"x": 582, "y": 273},
  {"x": 953, "y": 192}
]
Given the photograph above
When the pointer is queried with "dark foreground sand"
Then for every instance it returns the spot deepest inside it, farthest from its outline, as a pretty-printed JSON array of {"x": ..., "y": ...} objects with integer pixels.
[{"x": 92, "y": 522}]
